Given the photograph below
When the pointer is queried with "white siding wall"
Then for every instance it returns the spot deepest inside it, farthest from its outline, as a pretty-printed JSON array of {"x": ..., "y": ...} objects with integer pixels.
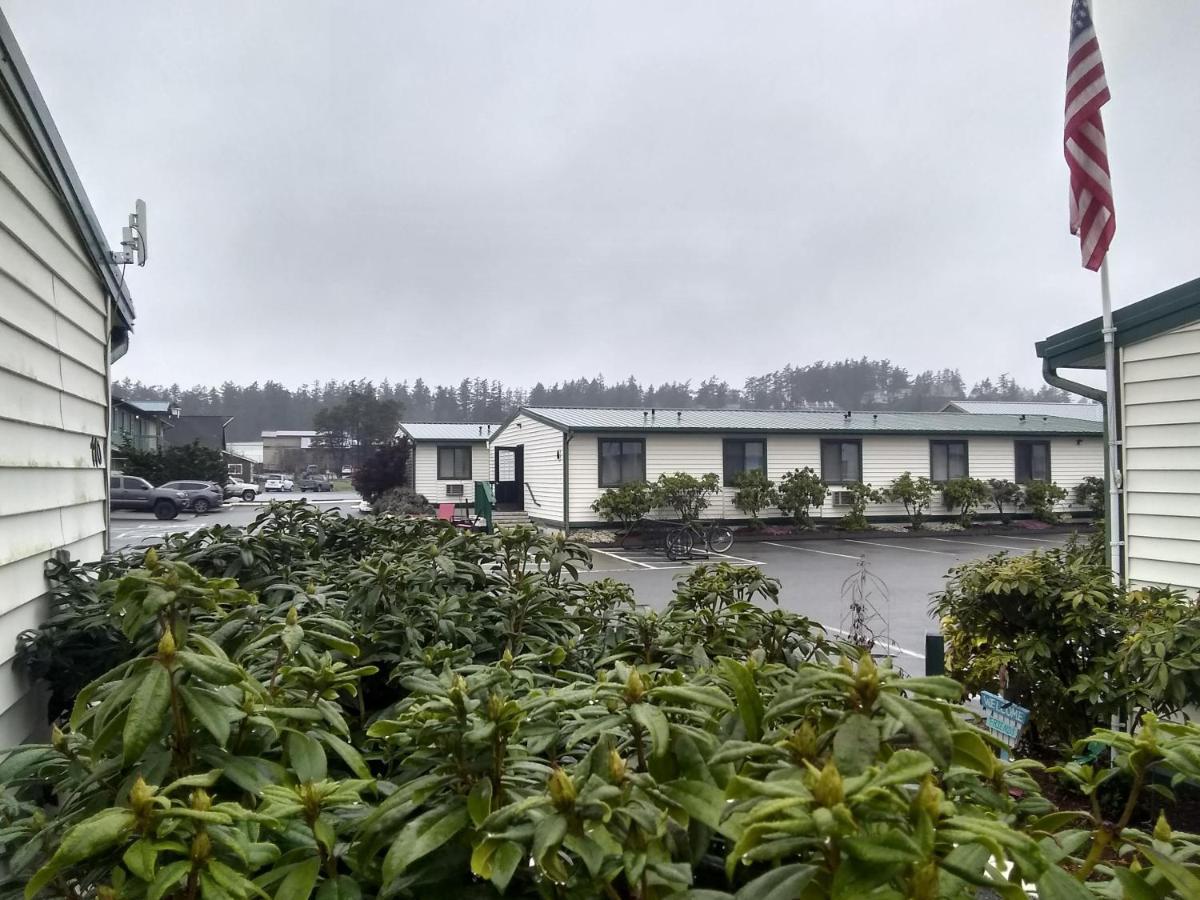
[
  {"x": 1071, "y": 461},
  {"x": 884, "y": 458},
  {"x": 1161, "y": 399},
  {"x": 425, "y": 480},
  {"x": 543, "y": 465},
  {"x": 53, "y": 401}
]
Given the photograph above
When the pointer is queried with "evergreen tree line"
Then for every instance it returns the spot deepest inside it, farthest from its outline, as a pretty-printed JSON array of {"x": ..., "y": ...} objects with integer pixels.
[{"x": 847, "y": 384}]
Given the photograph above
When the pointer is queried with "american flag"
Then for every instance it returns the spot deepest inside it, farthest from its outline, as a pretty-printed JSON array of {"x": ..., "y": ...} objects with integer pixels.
[{"x": 1093, "y": 217}]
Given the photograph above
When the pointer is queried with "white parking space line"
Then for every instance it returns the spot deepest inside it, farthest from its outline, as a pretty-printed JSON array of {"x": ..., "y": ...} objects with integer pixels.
[
  {"x": 624, "y": 569},
  {"x": 741, "y": 559},
  {"x": 625, "y": 559},
  {"x": 810, "y": 550},
  {"x": 883, "y": 643},
  {"x": 982, "y": 544},
  {"x": 899, "y": 546}
]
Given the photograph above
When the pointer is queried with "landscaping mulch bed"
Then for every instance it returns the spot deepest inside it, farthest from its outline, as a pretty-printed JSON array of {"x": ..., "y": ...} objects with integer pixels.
[
  {"x": 1183, "y": 814},
  {"x": 1023, "y": 527}
]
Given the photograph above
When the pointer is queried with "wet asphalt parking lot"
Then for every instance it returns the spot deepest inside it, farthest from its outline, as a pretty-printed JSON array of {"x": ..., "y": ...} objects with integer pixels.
[
  {"x": 812, "y": 574},
  {"x": 133, "y": 529}
]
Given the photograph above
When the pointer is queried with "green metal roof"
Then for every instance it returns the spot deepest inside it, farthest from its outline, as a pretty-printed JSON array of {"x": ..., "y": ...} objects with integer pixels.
[
  {"x": 1093, "y": 412},
  {"x": 1082, "y": 347},
  {"x": 446, "y": 431},
  {"x": 803, "y": 421}
]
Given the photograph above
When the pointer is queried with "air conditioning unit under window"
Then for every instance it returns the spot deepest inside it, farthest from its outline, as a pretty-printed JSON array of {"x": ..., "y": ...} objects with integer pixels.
[
  {"x": 454, "y": 490},
  {"x": 841, "y": 498}
]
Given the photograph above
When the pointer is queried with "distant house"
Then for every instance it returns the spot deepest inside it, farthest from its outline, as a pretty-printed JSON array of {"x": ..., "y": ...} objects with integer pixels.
[
  {"x": 140, "y": 424},
  {"x": 65, "y": 315},
  {"x": 554, "y": 463},
  {"x": 1158, "y": 388},
  {"x": 281, "y": 449},
  {"x": 209, "y": 431},
  {"x": 251, "y": 450},
  {"x": 447, "y": 459},
  {"x": 1092, "y": 412},
  {"x": 241, "y": 467}
]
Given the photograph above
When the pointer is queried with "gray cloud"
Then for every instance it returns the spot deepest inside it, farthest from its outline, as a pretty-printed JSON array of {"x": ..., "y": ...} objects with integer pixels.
[{"x": 542, "y": 190}]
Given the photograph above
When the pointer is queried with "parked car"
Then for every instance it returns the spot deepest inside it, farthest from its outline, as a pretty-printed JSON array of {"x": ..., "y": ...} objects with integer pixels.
[
  {"x": 235, "y": 487},
  {"x": 347, "y": 471},
  {"x": 277, "y": 483},
  {"x": 313, "y": 483},
  {"x": 129, "y": 492},
  {"x": 204, "y": 495}
]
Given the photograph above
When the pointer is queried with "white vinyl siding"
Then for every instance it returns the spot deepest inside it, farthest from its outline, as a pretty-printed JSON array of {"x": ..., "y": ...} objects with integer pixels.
[
  {"x": 53, "y": 402},
  {"x": 884, "y": 457},
  {"x": 1160, "y": 392},
  {"x": 425, "y": 471},
  {"x": 543, "y": 465}
]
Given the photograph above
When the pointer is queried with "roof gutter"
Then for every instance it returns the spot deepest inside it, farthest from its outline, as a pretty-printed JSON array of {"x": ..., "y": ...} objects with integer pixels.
[
  {"x": 118, "y": 343},
  {"x": 1051, "y": 377}
]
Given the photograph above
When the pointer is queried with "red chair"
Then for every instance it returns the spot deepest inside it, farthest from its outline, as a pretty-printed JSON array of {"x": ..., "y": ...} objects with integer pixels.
[{"x": 446, "y": 511}]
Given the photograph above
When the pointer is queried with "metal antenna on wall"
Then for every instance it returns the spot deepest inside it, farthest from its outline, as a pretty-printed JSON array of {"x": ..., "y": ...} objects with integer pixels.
[{"x": 135, "y": 246}]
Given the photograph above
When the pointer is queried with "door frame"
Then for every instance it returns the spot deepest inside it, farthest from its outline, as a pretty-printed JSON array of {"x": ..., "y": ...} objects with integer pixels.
[{"x": 510, "y": 503}]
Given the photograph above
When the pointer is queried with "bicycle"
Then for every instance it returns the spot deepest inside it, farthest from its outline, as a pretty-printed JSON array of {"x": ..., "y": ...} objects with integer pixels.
[{"x": 716, "y": 538}]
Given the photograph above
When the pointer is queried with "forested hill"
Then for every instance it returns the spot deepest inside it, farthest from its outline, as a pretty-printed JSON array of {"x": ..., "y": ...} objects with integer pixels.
[{"x": 849, "y": 384}]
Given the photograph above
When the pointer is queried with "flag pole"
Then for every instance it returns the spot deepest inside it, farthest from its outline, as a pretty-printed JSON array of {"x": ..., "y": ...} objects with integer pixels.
[{"x": 1113, "y": 523}]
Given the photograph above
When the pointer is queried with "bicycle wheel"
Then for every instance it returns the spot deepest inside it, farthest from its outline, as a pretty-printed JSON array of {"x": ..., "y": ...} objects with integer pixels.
[
  {"x": 679, "y": 544},
  {"x": 720, "y": 538}
]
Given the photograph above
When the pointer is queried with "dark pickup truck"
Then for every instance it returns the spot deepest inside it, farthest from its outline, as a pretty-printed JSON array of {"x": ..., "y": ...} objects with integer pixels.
[
  {"x": 128, "y": 492},
  {"x": 314, "y": 484}
]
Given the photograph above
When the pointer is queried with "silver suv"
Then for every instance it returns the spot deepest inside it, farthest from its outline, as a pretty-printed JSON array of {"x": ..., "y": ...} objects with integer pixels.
[{"x": 203, "y": 495}]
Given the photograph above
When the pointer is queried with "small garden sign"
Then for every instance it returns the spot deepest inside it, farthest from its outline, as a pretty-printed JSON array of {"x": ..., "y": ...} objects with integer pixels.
[{"x": 1004, "y": 718}]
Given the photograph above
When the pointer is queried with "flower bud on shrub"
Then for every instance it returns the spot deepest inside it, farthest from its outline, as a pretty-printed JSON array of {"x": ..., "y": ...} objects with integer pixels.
[
  {"x": 803, "y": 743},
  {"x": 635, "y": 688},
  {"x": 928, "y": 798},
  {"x": 201, "y": 847},
  {"x": 924, "y": 884},
  {"x": 495, "y": 707},
  {"x": 562, "y": 790},
  {"x": 458, "y": 693},
  {"x": 616, "y": 766},
  {"x": 866, "y": 681},
  {"x": 1162, "y": 828},
  {"x": 141, "y": 795},
  {"x": 827, "y": 787}
]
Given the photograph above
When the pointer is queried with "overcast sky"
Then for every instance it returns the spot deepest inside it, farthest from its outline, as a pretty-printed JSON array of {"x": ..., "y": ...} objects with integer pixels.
[{"x": 536, "y": 191}]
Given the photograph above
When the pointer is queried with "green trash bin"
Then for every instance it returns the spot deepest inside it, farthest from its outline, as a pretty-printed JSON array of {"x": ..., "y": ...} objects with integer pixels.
[{"x": 485, "y": 501}]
